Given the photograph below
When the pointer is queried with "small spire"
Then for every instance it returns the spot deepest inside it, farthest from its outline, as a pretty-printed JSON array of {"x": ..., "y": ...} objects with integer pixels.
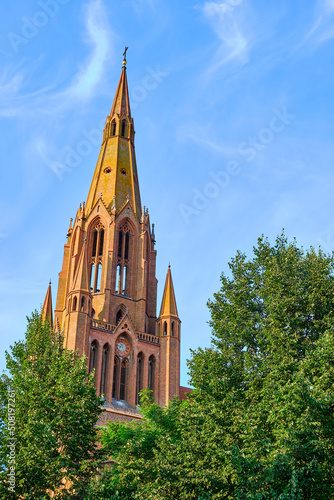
[
  {"x": 47, "y": 306},
  {"x": 121, "y": 104},
  {"x": 168, "y": 303}
]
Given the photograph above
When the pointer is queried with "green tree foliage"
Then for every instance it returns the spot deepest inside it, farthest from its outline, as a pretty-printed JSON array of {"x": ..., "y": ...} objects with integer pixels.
[
  {"x": 131, "y": 447},
  {"x": 270, "y": 372},
  {"x": 260, "y": 423},
  {"x": 56, "y": 409}
]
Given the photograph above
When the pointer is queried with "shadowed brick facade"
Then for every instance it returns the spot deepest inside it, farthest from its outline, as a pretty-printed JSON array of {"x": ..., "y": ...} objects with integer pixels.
[{"x": 107, "y": 290}]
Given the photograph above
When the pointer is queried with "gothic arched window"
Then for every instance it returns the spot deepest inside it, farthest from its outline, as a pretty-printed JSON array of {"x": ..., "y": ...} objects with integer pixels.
[
  {"x": 96, "y": 258},
  {"x": 151, "y": 373},
  {"x": 104, "y": 370},
  {"x": 119, "y": 390},
  {"x": 172, "y": 329},
  {"x": 82, "y": 307},
  {"x": 123, "y": 128},
  {"x": 121, "y": 285},
  {"x": 165, "y": 328},
  {"x": 123, "y": 380},
  {"x": 75, "y": 300},
  {"x": 93, "y": 355},
  {"x": 140, "y": 375},
  {"x": 115, "y": 382}
]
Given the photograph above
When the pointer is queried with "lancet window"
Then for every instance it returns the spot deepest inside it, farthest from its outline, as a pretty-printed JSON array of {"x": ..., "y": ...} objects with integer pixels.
[
  {"x": 140, "y": 375},
  {"x": 104, "y": 370},
  {"x": 96, "y": 258},
  {"x": 93, "y": 355},
  {"x": 122, "y": 267},
  {"x": 119, "y": 390},
  {"x": 151, "y": 373}
]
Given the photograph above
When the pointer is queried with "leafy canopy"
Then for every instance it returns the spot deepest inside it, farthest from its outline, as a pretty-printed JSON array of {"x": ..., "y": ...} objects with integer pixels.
[
  {"x": 260, "y": 423},
  {"x": 56, "y": 409}
]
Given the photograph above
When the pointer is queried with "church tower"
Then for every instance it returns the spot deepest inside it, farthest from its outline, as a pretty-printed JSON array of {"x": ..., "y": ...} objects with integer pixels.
[{"x": 107, "y": 291}]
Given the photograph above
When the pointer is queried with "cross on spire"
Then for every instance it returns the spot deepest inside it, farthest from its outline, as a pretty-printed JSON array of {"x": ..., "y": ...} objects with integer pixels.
[{"x": 124, "y": 56}]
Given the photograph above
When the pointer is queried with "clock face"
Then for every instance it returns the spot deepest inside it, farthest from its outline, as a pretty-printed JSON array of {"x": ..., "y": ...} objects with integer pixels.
[{"x": 122, "y": 347}]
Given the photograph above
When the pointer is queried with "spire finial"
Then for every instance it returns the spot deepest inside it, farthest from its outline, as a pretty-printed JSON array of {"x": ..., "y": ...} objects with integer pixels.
[
  {"x": 124, "y": 57},
  {"x": 169, "y": 265}
]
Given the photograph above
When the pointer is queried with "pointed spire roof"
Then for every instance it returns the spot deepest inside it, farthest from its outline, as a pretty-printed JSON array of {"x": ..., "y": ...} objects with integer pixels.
[
  {"x": 121, "y": 104},
  {"x": 47, "y": 306},
  {"x": 81, "y": 278},
  {"x": 168, "y": 304},
  {"x": 115, "y": 178}
]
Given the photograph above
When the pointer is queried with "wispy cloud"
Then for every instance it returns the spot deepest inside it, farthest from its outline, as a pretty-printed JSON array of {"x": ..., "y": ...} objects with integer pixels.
[
  {"x": 322, "y": 29},
  {"x": 48, "y": 100},
  {"x": 98, "y": 37},
  {"x": 203, "y": 136},
  {"x": 227, "y": 20}
]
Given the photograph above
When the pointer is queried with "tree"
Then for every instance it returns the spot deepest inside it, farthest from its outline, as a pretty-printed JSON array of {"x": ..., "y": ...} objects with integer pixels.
[
  {"x": 55, "y": 407},
  {"x": 270, "y": 372},
  {"x": 131, "y": 447},
  {"x": 260, "y": 422}
]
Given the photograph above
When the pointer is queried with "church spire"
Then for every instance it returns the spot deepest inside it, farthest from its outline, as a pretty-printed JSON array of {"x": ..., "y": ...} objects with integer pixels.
[
  {"x": 168, "y": 304},
  {"x": 121, "y": 104},
  {"x": 115, "y": 178},
  {"x": 47, "y": 306}
]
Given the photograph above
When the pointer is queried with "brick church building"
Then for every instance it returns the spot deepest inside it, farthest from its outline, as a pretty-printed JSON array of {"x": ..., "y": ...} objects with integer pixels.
[{"x": 107, "y": 291}]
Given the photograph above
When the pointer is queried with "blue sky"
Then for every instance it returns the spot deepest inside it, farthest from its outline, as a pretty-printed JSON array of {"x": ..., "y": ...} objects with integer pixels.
[{"x": 233, "y": 109}]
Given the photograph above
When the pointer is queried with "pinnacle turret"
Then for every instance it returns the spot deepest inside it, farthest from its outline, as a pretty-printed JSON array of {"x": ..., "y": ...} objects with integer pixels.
[
  {"x": 168, "y": 303},
  {"x": 47, "y": 306}
]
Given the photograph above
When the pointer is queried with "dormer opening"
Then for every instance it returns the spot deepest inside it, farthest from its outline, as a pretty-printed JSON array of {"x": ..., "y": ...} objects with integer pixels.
[{"x": 123, "y": 131}]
